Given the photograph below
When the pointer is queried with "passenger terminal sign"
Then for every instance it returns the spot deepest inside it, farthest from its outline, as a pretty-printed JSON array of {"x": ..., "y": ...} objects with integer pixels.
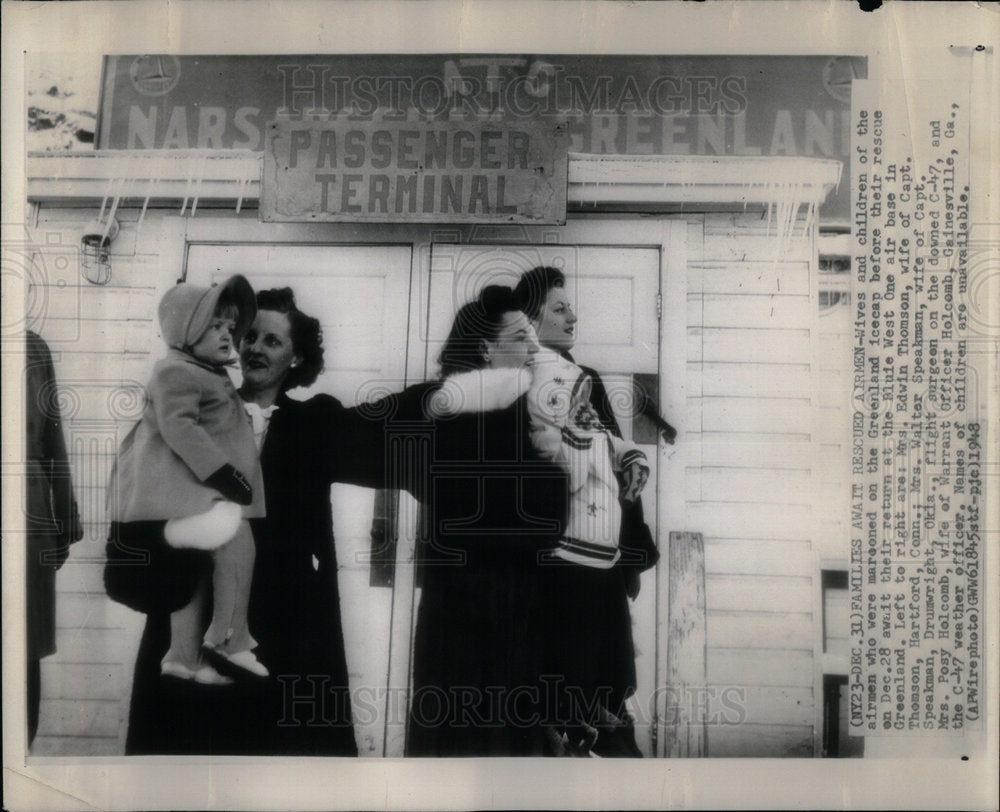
[
  {"x": 624, "y": 105},
  {"x": 414, "y": 171}
]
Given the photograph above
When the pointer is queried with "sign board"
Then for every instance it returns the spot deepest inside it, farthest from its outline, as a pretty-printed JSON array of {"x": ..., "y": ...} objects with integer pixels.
[
  {"x": 625, "y": 105},
  {"x": 431, "y": 171}
]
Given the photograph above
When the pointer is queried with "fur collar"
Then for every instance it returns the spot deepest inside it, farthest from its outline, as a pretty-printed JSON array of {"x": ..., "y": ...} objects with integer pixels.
[{"x": 480, "y": 390}]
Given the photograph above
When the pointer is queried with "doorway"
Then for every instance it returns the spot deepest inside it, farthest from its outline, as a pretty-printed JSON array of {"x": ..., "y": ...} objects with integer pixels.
[
  {"x": 614, "y": 290},
  {"x": 360, "y": 294}
]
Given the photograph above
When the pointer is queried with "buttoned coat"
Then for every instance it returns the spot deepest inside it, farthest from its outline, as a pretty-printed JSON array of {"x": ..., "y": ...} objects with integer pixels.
[{"x": 193, "y": 424}]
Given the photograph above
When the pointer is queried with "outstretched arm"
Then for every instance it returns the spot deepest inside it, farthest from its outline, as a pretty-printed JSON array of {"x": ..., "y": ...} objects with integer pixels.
[{"x": 371, "y": 445}]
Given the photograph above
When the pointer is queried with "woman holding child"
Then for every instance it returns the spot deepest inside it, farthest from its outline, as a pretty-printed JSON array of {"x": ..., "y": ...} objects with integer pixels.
[{"x": 294, "y": 610}]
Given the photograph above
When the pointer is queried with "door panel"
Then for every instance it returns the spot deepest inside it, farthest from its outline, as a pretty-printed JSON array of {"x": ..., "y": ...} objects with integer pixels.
[
  {"x": 360, "y": 294},
  {"x": 613, "y": 290}
]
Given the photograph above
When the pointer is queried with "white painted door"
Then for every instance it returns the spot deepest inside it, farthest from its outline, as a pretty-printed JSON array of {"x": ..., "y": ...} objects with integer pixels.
[
  {"x": 614, "y": 290},
  {"x": 360, "y": 294}
]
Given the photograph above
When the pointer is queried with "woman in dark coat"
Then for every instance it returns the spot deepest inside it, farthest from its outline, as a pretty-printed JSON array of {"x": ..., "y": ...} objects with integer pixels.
[
  {"x": 492, "y": 508},
  {"x": 304, "y": 708}
]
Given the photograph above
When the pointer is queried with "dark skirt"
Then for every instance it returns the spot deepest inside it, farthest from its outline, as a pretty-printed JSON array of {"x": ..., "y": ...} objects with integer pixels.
[
  {"x": 168, "y": 716},
  {"x": 476, "y": 655},
  {"x": 590, "y": 657},
  {"x": 303, "y": 708},
  {"x": 299, "y": 710}
]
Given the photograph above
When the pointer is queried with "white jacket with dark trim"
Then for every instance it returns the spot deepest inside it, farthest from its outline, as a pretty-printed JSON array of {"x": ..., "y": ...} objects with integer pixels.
[{"x": 565, "y": 428}]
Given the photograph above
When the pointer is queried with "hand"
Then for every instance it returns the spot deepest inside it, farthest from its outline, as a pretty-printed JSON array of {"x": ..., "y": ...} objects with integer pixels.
[
  {"x": 632, "y": 583},
  {"x": 231, "y": 484},
  {"x": 634, "y": 479}
]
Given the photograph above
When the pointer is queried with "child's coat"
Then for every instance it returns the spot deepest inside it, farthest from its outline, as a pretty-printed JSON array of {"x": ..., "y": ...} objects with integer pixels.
[{"x": 192, "y": 425}]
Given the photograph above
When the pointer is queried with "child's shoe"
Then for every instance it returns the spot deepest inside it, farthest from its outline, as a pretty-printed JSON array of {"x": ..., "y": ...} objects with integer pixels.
[
  {"x": 248, "y": 662},
  {"x": 172, "y": 668},
  {"x": 239, "y": 663},
  {"x": 206, "y": 675}
]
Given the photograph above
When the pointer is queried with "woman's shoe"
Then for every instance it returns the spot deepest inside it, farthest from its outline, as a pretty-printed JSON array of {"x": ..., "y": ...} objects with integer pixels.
[{"x": 206, "y": 675}]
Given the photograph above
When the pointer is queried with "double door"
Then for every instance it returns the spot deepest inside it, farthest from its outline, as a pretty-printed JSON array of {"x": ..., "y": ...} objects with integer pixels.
[{"x": 385, "y": 309}]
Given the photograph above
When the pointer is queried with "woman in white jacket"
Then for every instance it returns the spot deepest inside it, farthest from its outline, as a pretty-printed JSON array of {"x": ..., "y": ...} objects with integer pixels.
[{"x": 606, "y": 544}]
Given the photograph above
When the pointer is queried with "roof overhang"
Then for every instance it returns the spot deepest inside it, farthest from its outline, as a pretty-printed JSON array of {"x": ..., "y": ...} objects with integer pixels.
[{"x": 231, "y": 178}]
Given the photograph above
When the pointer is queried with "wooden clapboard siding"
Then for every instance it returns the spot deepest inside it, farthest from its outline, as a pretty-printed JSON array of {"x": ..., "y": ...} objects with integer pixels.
[
  {"x": 760, "y": 741},
  {"x": 750, "y": 484},
  {"x": 772, "y": 520},
  {"x": 744, "y": 450},
  {"x": 758, "y": 593},
  {"x": 737, "y": 310},
  {"x": 757, "y": 484},
  {"x": 84, "y": 718},
  {"x": 770, "y": 415},
  {"x": 759, "y": 277},
  {"x": 757, "y": 558},
  {"x": 760, "y": 705},
  {"x": 87, "y": 646},
  {"x": 82, "y": 574},
  {"x": 754, "y": 418},
  {"x": 76, "y": 682},
  {"x": 754, "y": 666},
  {"x": 833, "y": 429},
  {"x": 776, "y": 629},
  {"x": 836, "y": 614}
]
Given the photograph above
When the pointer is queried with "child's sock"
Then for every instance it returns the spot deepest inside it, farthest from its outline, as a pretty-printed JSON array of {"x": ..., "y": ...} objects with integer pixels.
[
  {"x": 231, "y": 580},
  {"x": 185, "y": 636}
]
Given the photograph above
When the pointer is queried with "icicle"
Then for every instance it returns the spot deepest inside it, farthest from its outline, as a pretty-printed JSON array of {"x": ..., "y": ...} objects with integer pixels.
[
  {"x": 242, "y": 188},
  {"x": 115, "y": 189},
  {"x": 187, "y": 191},
  {"x": 114, "y": 210},
  {"x": 198, "y": 183},
  {"x": 145, "y": 203}
]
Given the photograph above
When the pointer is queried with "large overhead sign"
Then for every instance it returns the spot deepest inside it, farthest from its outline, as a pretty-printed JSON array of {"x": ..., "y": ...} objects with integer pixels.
[
  {"x": 629, "y": 105},
  {"x": 403, "y": 171}
]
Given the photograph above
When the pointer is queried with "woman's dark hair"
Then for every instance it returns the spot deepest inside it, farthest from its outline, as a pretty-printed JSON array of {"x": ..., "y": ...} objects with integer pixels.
[
  {"x": 534, "y": 286},
  {"x": 475, "y": 323},
  {"x": 307, "y": 336}
]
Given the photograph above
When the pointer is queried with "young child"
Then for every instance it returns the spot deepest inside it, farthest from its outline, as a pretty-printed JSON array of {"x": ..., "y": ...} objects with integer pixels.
[
  {"x": 191, "y": 461},
  {"x": 602, "y": 468}
]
